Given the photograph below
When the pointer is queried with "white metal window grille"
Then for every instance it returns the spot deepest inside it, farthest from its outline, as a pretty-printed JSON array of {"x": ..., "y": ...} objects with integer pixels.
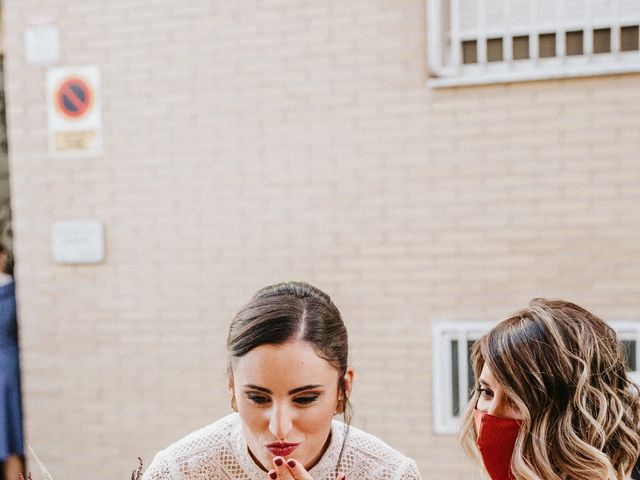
[
  {"x": 490, "y": 41},
  {"x": 453, "y": 378}
]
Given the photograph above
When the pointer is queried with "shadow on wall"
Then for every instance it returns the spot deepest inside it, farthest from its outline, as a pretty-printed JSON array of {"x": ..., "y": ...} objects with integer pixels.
[{"x": 6, "y": 235}]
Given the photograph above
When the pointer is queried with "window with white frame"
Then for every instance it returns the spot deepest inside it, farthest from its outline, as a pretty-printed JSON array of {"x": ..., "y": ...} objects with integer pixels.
[
  {"x": 629, "y": 335},
  {"x": 453, "y": 378},
  {"x": 488, "y": 41}
]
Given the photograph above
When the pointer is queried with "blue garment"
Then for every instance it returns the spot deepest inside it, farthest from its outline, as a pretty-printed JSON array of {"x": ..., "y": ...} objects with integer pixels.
[{"x": 11, "y": 436}]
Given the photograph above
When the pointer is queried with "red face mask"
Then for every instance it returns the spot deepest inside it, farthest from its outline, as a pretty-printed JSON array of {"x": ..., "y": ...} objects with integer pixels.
[{"x": 496, "y": 441}]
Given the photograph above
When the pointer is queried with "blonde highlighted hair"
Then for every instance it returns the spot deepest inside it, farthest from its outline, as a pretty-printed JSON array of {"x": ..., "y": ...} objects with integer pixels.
[{"x": 564, "y": 369}]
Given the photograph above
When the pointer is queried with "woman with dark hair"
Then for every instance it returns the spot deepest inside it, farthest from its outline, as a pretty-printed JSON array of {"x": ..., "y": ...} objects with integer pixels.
[
  {"x": 288, "y": 376},
  {"x": 553, "y": 398},
  {"x": 11, "y": 437}
]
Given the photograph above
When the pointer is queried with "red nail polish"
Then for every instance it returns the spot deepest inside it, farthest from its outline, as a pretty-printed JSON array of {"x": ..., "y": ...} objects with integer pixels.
[
  {"x": 292, "y": 463},
  {"x": 278, "y": 461},
  {"x": 273, "y": 475}
]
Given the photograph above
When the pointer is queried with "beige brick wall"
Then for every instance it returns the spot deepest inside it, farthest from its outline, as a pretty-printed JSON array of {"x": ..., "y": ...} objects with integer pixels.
[{"x": 252, "y": 142}]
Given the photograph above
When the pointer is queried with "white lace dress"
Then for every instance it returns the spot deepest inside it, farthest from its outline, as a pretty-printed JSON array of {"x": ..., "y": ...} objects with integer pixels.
[{"x": 219, "y": 451}]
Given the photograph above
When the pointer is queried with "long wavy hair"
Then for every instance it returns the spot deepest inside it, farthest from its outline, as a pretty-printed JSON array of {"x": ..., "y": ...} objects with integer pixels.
[{"x": 564, "y": 369}]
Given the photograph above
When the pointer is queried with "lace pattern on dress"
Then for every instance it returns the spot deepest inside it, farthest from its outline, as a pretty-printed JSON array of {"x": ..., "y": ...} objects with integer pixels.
[{"x": 219, "y": 452}]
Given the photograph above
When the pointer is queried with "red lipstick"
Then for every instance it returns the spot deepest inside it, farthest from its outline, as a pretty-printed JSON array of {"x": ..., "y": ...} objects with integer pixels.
[{"x": 279, "y": 449}]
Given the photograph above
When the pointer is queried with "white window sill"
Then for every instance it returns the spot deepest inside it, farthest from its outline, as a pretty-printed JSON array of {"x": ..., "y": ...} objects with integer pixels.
[{"x": 539, "y": 69}]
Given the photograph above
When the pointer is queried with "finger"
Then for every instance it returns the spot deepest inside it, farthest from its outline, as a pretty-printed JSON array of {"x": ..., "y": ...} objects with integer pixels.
[
  {"x": 342, "y": 476},
  {"x": 273, "y": 475},
  {"x": 282, "y": 470},
  {"x": 299, "y": 472}
]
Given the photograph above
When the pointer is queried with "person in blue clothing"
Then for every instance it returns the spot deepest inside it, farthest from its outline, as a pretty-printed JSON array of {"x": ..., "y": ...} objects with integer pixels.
[{"x": 11, "y": 436}]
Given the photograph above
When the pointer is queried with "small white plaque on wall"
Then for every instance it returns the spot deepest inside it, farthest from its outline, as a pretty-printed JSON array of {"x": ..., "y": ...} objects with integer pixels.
[
  {"x": 77, "y": 242},
  {"x": 42, "y": 44}
]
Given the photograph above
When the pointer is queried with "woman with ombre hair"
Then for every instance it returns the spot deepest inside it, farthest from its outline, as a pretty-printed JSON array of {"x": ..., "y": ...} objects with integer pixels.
[{"x": 553, "y": 398}]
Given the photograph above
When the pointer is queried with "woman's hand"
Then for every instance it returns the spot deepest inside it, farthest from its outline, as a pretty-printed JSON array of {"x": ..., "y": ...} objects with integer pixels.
[{"x": 292, "y": 470}]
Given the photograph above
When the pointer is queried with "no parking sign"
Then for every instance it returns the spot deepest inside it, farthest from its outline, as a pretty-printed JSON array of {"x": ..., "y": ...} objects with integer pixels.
[{"x": 74, "y": 111}]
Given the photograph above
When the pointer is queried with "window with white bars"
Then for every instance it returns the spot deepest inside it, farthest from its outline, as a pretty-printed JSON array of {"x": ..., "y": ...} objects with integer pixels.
[
  {"x": 453, "y": 378},
  {"x": 489, "y": 41},
  {"x": 629, "y": 335}
]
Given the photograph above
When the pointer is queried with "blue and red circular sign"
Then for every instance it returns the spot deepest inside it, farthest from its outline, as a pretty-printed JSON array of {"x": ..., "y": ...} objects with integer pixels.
[{"x": 74, "y": 97}]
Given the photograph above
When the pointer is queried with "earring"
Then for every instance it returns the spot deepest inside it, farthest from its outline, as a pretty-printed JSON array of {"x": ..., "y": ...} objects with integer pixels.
[{"x": 234, "y": 404}]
